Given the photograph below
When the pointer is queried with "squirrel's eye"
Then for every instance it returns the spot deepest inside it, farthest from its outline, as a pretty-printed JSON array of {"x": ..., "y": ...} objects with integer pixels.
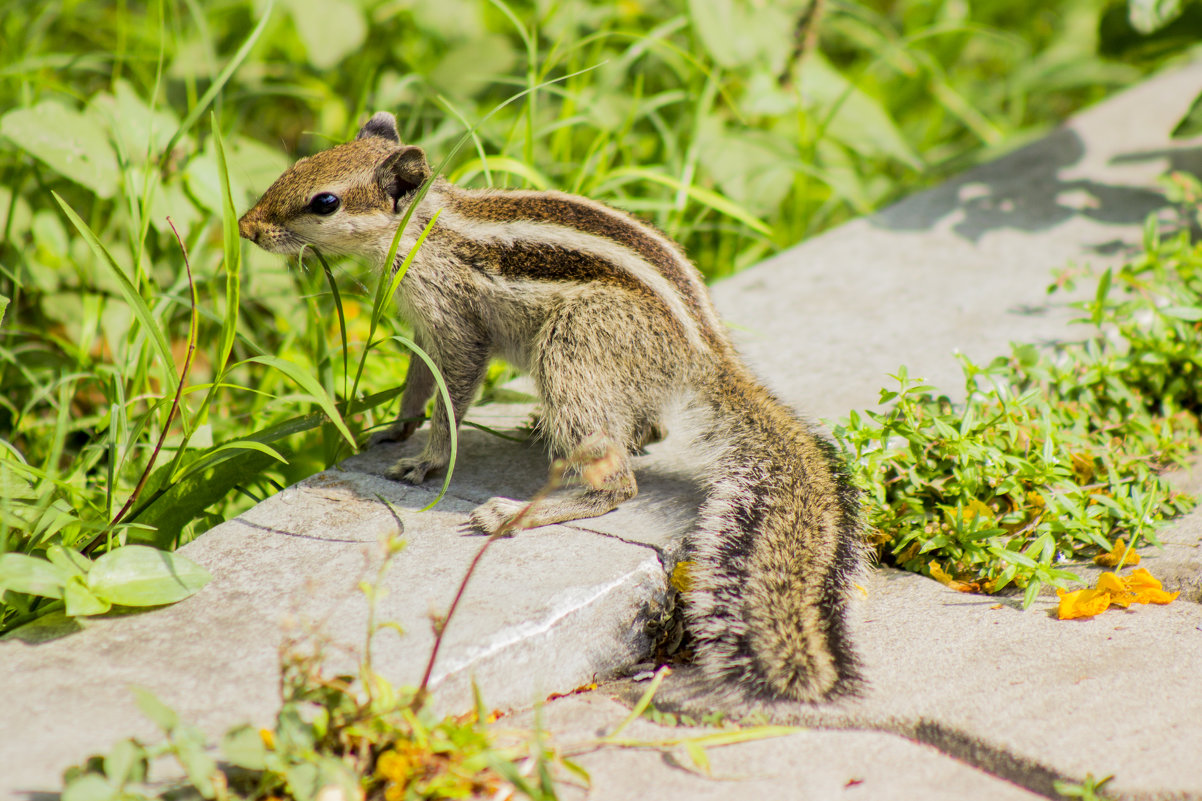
[{"x": 324, "y": 203}]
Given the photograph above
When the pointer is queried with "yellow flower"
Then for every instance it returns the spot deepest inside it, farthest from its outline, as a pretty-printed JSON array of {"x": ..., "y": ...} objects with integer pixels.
[
  {"x": 1112, "y": 559},
  {"x": 1082, "y": 603},
  {"x": 1147, "y": 589},
  {"x": 394, "y": 767},
  {"x": 681, "y": 577},
  {"x": 1141, "y": 587}
]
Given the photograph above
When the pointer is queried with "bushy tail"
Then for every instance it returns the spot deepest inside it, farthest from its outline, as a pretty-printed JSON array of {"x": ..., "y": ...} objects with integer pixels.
[{"x": 776, "y": 551}]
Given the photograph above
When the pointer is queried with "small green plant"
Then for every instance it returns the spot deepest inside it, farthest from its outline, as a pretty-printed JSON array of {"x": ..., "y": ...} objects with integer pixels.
[
  {"x": 1089, "y": 789},
  {"x": 1050, "y": 454}
]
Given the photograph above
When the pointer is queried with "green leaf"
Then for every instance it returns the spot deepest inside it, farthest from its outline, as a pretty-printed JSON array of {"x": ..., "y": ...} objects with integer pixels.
[
  {"x": 71, "y": 143},
  {"x": 189, "y": 745},
  {"x": 1191, "y": 124},
  {"x": 126, "y": 763},
  {"x": 1191, "y": 313},
  {"x": 698, "y": 755},
  {"x": 302, "y": 781},
  {"x": 329, "y": 30},
  {"x": 23, "y": 573},
  {"x": 159, "y": 713},
  {"x": 741, "y": 33},
  {"x": 243, "y": 747},
  {"x": 852, "y": 116},
  {"x": 89, "y": 787},
  {"x": 137, "y": 575},
  {"x": 703, "y": 196},
  {"x": 309, "y": 383},
  {"x": 3, "y": 307},
  {"x": 80, "y": 601},
  {"x": 69, "y": 560},
  {"x": 1149, "y": 16}
]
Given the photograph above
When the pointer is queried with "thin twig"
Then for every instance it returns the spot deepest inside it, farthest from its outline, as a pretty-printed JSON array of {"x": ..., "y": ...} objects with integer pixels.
[{"x": 193, "y": 327}]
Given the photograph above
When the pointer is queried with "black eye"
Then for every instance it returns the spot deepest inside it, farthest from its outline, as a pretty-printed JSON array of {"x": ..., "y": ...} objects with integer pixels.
[{"x": 324, "y": 203}]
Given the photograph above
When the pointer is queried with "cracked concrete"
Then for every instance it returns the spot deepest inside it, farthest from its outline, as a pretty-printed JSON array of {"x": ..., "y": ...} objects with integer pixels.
[{"x": 969, "y": 697}]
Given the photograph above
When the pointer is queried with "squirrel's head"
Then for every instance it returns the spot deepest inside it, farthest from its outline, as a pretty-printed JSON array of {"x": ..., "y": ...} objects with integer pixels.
[{"x": 344, "y": 200}]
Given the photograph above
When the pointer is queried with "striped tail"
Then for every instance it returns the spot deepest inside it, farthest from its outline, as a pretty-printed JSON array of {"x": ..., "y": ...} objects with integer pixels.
[{"x": 776, "y": 552}]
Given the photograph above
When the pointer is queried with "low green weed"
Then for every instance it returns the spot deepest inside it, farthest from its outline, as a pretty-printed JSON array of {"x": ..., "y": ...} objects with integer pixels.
[{"x": 1051, "y": 454}]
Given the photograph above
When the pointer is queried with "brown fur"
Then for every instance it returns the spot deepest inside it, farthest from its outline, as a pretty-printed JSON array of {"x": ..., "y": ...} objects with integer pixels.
[{"x": 614, "y": 325}]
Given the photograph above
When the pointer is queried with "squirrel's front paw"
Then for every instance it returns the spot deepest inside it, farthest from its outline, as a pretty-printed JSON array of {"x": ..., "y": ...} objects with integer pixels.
[
  {"x": 490, "y": 516},
  {"x": 412, "y": 470},
  {"x": 398, "y": 432}
]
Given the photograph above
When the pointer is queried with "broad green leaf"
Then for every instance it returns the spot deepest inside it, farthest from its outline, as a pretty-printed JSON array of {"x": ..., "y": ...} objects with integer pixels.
[
  {"x": 3, "y": 307},
  {"x": 80, "y": 601},
  {"x": 1149, "y": 16},
  {"x": 468, "y": 65},
  {"x": 23, "y": 573},
  {"x": 71, "y": 561},
  {"x": 140, "y": 129},
  {"x": 329, "y": 30},
  {"x": 751, "y": 168},
  {"x": 125, "y": 763},
  {"x": 137, "y": 575},
  {"x": 740, "y": 33},
  {"x": 13, "y": 485},
  {"x": 851, "y": 116},
  {"x": 243, "y": 746},
  {"x": 302, "y": 781},
  {"x": 72, "y": 143},
  {"x": 159, "y": 713},
  {"x": 89, "y": 787},
  {"x": 227, "y": 451}
]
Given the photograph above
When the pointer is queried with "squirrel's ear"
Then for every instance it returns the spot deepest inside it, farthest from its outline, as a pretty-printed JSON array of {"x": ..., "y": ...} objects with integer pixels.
[
  {"x": 383, "y": 125},
  {"x": 403, "y": 171}
]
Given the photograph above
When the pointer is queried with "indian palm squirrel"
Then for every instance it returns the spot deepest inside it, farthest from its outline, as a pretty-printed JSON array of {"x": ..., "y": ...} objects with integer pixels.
[{"x": 614, "y": 325}]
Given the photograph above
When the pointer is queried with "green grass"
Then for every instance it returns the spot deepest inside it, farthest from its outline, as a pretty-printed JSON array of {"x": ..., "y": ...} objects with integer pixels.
[{"x": 118, "y": 116}]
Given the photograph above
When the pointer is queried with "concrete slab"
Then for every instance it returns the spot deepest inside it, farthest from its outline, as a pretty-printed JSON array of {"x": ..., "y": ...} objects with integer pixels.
[{"x": 810, "y": 764}]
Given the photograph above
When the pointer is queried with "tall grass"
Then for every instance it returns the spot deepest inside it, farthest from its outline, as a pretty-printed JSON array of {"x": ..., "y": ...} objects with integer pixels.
[{"x": 737, "y": 127}]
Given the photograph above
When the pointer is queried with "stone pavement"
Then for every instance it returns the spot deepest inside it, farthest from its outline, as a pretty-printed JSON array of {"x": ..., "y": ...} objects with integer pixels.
[{"x": 970, "y": 697}]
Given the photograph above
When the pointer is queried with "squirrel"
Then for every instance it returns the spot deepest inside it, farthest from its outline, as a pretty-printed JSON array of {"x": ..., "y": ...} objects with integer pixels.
[{"x": 614, "y": 325}]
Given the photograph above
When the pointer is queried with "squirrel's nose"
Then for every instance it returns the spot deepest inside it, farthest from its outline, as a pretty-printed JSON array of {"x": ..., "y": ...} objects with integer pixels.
[{"x": 248, "y": 230}]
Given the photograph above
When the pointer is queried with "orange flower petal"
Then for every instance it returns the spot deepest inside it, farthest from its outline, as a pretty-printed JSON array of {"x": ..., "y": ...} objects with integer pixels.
[
  {"x": 1141, "y": 579},
  {"x": 1082, "y": 603},
  {"x": 1112, "y": 559}
]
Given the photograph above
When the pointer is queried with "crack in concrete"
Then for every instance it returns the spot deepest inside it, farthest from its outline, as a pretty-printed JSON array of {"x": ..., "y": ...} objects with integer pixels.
[{"x": 660, "y": 553}]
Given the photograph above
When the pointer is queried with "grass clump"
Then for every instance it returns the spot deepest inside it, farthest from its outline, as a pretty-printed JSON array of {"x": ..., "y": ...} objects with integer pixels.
[{"x": 1052, "y": 454}]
